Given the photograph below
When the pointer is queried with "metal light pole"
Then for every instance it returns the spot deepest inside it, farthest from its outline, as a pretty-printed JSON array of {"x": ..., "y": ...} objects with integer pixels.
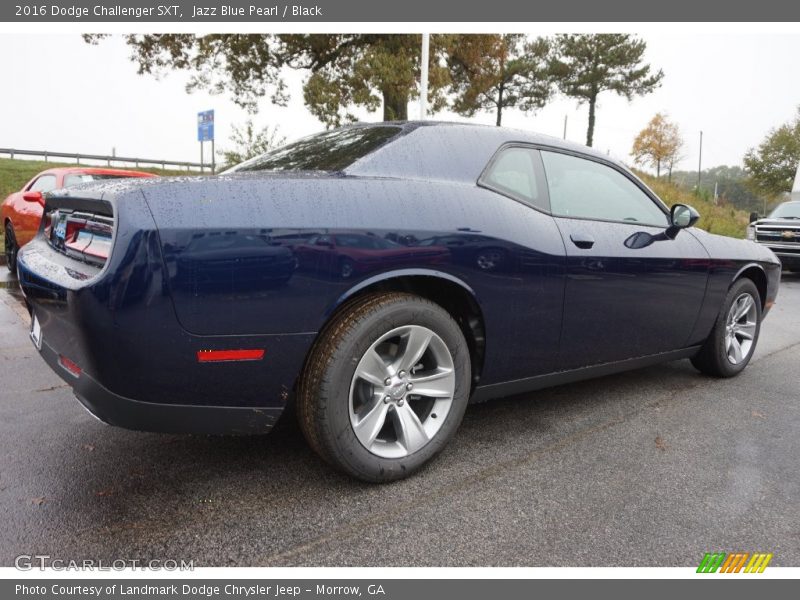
[
  {"x": 700, "y": 162},
  {"x": 423, "y": 77},
  {"x": 565, "y": 126}
]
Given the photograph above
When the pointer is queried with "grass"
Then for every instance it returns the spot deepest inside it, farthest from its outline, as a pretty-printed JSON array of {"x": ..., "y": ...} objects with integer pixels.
[
  {"x": 16, "y": 173},
  {"x": 723, "y": 219}
]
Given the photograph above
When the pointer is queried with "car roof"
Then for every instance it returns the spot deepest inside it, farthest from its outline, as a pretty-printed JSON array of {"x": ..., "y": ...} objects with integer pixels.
[
  {"x": 443, "y": 150},
  {"x": 522, "y": 135}
]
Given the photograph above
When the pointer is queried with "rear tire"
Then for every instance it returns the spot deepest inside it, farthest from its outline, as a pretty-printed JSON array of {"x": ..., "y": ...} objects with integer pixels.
[
  {"x": 732, "y": 341},
  {"x": 11, "y": 248},
  {"x": 382, "y": 420}
]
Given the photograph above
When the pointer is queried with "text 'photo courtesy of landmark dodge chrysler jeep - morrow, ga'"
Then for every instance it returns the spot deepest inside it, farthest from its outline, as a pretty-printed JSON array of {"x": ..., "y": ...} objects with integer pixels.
[
  {"x": 379, "y": 277},
  {"x": 780, "y": 230}
]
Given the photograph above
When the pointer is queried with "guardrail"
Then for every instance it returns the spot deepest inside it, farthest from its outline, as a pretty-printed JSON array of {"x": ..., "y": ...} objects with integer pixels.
[{"x": 12, "y": 152}]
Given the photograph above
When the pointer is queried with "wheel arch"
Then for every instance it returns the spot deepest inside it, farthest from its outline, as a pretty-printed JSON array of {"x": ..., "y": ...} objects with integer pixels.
[
  {"x": 758, "y": 276},
  {"x": 448, "y": 291}
]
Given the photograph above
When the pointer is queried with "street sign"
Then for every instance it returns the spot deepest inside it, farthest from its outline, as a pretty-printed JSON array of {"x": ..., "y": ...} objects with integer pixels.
[{"x": 205, "y": 126}]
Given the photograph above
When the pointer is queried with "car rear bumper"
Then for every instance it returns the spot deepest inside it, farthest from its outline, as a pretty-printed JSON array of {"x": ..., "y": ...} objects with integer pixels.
[
  {"x": 113, "y": 409},
  {"x": 137, "y": 367}
]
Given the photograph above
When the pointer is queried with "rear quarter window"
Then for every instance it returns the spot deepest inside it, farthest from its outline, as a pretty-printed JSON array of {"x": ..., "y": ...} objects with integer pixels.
[{"x": 517, "y": 172}]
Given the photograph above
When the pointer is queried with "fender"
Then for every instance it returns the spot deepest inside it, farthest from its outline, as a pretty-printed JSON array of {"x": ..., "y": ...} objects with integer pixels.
[
  {"x": 397, "y": 274},
  {"x": 770, "y": 285},
  {"x": 749, "y": 266},
  {"x": 718, "y": 287}
]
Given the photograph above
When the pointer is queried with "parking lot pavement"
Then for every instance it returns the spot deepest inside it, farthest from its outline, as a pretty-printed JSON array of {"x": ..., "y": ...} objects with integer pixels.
[{"x": 649, "y": 468}]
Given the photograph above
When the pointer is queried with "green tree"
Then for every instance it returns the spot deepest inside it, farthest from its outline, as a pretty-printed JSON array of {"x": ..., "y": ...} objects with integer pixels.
[
  {"x": 659, "y": 143},
  {"x": 366, "y": 70},
  {"x": 731, "y": 182},
  {"x": 247, "y": 66},
  {"x": 589, "y": 64},
  {"x": 249, "y": 142},
  {"x": 772, "y": 166},
  {"x": 345, "y": 70},
  {"x": 496, "y": 72}
]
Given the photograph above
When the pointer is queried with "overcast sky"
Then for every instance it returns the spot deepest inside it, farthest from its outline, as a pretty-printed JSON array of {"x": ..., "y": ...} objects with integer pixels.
[{"x": 61, "y": 94}]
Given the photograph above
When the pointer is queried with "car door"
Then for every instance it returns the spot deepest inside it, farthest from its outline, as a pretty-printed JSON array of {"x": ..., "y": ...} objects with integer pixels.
[
  {"x": 523, "y": 300},
  {"x": 30, "y": 213},
  {"x": 631, "y": 289}
]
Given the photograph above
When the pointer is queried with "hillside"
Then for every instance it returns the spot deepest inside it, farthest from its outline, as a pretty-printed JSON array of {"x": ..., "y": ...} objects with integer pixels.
[
  {"x": 723, "y": 219},
  {"x": 16, "y": 173}
]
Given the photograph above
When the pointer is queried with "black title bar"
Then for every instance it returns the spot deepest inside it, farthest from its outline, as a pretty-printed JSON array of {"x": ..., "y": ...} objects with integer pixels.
[{"x": 439, "y": 11}]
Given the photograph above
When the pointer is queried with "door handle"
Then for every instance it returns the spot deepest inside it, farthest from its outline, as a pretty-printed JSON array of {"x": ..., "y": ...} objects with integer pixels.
[{"x": 582, "y": 240}]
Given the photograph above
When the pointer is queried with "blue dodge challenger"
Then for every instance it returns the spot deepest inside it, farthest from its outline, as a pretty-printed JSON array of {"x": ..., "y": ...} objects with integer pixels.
[{"x": 379, "y": 277}]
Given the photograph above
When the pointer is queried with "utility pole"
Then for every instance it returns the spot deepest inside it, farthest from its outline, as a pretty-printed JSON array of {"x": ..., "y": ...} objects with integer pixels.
[
  {"x": 700, "y": 161},
  {"x": 423, "y": 77},
  {"x": 565, "y": 127}
]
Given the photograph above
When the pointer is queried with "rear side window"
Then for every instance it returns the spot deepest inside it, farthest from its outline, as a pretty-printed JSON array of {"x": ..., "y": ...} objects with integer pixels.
[
  {"x": 517, "y": 172},
  {"x": 587, "y": 189},
  {"x": 329, "y": 151},
  {"x": 45, "y": 183}
]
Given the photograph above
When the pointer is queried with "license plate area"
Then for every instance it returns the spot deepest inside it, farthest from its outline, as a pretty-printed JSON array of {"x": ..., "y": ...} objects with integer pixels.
[
  {"x": 36, "y": 332},
  {"x": 60, "y": 226}
]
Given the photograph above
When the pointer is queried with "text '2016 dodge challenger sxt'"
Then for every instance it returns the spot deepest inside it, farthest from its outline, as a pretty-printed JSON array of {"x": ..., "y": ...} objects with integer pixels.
[{"x": 380, "y": 276}]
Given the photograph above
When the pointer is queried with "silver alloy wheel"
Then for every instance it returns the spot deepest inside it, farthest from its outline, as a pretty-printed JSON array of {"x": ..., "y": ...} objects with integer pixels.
[
  {"x": 740, "y": 328},
  {"x": 402, "y": 391}
]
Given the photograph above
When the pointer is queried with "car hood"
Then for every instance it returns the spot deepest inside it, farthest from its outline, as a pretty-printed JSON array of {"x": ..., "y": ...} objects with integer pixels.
[{"x": 779, "y": 222}]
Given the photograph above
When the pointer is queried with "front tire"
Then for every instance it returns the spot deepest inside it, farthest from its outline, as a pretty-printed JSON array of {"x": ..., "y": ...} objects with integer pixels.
[
  {"x": 385, "y": 387},
  {"x": 732, "y": 341},
  {"x": 11, "y": 248}
]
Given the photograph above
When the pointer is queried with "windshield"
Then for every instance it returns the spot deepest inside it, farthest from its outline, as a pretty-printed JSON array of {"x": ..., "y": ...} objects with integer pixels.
[
  {"x": 787, "y": 210},
  {"x": 328, "y": 151}
]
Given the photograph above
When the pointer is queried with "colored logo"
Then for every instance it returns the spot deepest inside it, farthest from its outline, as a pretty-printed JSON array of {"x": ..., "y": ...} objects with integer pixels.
[
  {"x": 735, "y": 562},
  {"x": 787, "y": 235}
]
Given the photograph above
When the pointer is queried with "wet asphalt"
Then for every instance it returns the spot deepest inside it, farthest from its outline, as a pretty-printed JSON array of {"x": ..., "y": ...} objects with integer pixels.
[{"x": 649, "y": 468}]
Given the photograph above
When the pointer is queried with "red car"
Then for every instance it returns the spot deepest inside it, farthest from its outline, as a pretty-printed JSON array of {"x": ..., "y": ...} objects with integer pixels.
[{"x": 22, "y": 210}]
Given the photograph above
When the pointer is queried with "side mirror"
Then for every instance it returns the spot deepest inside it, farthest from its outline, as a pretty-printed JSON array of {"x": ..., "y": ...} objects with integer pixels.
[
  {"x": 681, "y": 216},
  {"x": 33, "y": 197},
  {"x": 754, "y": 217}
]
